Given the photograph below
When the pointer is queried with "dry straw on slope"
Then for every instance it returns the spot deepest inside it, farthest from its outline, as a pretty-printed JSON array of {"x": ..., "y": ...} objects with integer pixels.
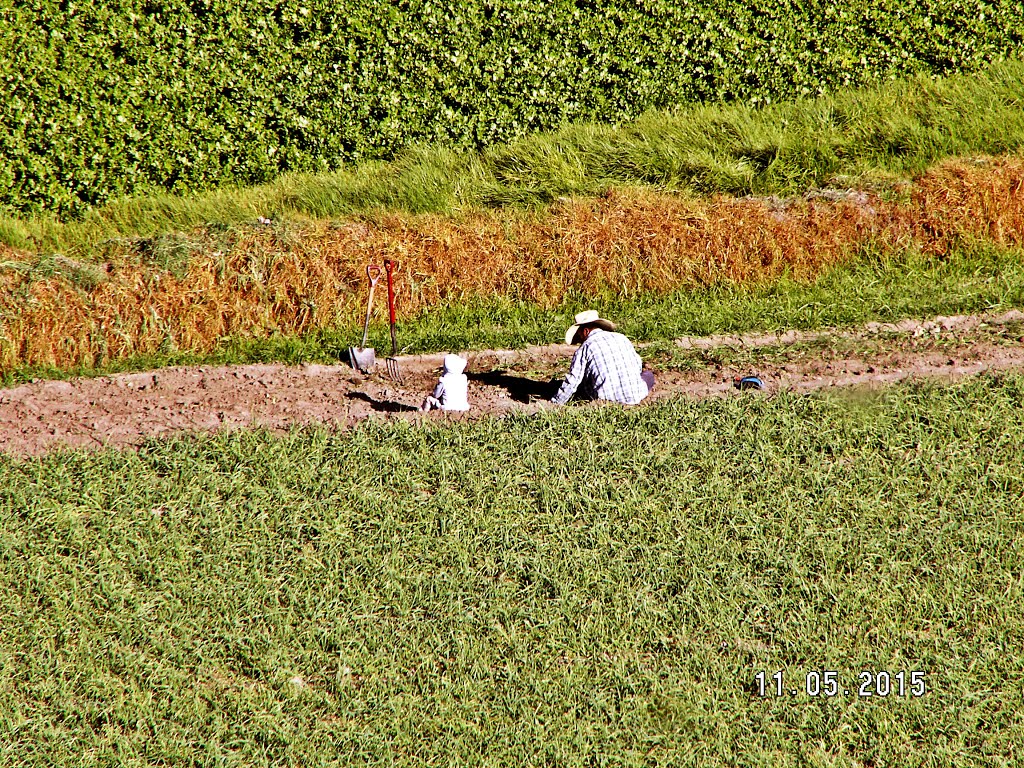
[{"x": 291, "y": 279}]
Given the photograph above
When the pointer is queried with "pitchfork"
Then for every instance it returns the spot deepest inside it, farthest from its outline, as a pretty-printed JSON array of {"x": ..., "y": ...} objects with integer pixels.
[{"x": 392, "y": 362}]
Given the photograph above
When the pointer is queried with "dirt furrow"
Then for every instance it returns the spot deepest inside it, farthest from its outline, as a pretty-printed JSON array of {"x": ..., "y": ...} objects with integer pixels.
[{"x": 124, "y": 410}]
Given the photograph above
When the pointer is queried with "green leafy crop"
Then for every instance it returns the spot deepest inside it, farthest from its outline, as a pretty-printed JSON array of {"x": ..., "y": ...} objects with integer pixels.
[{"x": 103, "y": 99}]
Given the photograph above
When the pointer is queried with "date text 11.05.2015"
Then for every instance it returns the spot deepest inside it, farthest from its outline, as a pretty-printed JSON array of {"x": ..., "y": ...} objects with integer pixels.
[{"x": 828, "y": 683}]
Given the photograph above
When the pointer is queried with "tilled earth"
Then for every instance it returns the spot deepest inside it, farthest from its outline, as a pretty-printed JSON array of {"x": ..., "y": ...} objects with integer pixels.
[{"x": 126, "y": 409}]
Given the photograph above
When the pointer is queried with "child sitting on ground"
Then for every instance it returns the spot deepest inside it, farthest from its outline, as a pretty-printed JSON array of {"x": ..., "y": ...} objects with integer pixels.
[{"x": 451, "y": 392}]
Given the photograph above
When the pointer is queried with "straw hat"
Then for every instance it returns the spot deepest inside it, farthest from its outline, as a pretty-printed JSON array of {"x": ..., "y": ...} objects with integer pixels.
[{"x": 591, "y": 319}]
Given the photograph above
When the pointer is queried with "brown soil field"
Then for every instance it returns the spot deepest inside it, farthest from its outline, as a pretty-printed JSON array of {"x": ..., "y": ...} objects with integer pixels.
[
  {"x": 191, "y": 290},
  {"x": 125, "y": 410}
]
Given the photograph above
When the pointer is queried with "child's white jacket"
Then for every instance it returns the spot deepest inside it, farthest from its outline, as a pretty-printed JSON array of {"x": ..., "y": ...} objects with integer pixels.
[{"x": 452, "y": 389}]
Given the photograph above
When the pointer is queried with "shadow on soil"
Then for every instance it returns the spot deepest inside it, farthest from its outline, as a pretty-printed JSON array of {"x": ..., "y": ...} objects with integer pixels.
[
  {"x": 520, "y": 389},
  {"x": 385, "y": 406}
]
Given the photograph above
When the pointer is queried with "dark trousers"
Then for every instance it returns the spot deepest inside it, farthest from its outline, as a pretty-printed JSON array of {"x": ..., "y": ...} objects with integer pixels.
[{"x": 646, "y": 376}]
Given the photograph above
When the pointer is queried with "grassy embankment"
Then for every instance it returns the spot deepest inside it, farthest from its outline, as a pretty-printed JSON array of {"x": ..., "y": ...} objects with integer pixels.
[
  {"x": 872, "y": 290},
  {"x": 591, "y": 585},
  {"x": 873, "y": 136},
  {"x": 661, "y": 265},
  {"x": 157, "y": 280}
]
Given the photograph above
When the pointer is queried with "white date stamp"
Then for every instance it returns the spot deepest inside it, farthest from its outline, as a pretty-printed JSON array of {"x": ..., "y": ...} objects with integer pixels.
[{"x": 827, "y": 683}]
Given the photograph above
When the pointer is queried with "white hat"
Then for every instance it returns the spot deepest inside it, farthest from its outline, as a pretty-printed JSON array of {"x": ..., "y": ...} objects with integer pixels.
[
  {"x": 454, "y": 364},
  {"x": 589, "y": 317}
]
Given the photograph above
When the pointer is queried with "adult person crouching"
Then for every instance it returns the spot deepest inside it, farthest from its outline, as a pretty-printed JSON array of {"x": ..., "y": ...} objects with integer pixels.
[{"x": 605, "y": 367}]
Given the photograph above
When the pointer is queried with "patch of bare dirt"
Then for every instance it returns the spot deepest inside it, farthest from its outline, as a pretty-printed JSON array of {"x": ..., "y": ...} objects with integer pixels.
[{"x": 124, "y": 410}]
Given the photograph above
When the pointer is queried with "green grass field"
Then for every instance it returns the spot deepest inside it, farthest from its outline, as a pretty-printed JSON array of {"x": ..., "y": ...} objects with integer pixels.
[{"x": 592, "y": 586}]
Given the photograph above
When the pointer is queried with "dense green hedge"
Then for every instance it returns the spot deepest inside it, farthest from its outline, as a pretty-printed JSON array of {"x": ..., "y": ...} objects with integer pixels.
[{"x": 105, "y": 97}]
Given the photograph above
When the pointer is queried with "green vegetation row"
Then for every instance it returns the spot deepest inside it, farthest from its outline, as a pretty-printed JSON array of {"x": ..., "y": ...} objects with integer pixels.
[
  {"x": 872, "y": 288},
  {"x": 101, "y": 100},
  {"x": 862, "y": 136},
  {"x": 588, "y": 586}
]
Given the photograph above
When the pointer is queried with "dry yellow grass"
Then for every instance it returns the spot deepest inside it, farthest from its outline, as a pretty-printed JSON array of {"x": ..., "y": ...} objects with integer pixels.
[{"x": 292, "y": 278}]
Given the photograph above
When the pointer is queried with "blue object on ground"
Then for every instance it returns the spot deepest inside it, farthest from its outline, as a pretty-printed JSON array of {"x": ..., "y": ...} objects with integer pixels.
[{"x": 748, "y": 382}]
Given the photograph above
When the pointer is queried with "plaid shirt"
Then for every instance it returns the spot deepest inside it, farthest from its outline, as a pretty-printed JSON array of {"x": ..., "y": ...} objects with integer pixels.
[{"x": 605, "y": 367}]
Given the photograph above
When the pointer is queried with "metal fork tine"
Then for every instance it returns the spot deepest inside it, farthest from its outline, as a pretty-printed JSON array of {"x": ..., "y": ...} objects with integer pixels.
[{"x": 394, "y": 371}]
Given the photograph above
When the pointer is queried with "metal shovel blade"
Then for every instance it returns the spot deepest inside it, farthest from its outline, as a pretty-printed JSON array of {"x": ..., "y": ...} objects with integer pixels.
[{"x": 362, "y": 358}]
